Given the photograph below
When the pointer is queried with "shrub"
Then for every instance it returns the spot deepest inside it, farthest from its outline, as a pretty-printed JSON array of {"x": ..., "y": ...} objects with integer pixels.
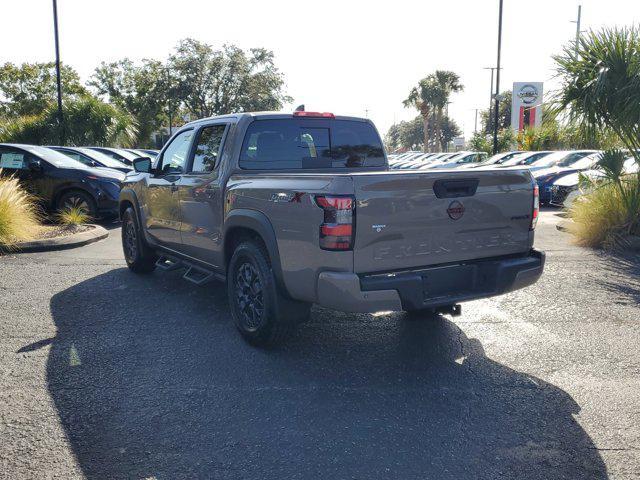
[
  {"x": 72, "y": 216},
  {"x": 481, "y": 142},
  {"x": 18, "y": 214},
  {"x": 601, "y": 218}
]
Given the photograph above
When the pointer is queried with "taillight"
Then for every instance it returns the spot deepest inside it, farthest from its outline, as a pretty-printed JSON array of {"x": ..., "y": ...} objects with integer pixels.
[
  {"x": 536, "y": 206},
  {"x": 336, "y": 231}
]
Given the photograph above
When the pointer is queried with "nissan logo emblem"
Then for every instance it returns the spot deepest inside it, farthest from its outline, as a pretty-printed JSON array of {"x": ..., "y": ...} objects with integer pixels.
[
  {"x": 528, "y": 94},
  {"x": 455, "y": 210}
]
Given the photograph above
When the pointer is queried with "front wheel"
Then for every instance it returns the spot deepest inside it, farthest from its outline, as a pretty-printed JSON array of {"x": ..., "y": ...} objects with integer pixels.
[
  {"x": 81, "y": 201},
  {"x": 139, "y": 257},
  {"x": 262, "y": 314}
]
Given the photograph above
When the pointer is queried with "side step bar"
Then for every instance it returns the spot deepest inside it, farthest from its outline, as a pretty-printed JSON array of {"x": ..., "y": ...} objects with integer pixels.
[
  {"x": 167, "y": 263},
  {"x": 198, "y": 275},
  {"x": 193, "y": 273}
]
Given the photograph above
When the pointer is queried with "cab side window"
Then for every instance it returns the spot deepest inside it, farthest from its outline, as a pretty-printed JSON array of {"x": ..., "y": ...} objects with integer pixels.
[
  {"x": 174, "y": 158},
  {"x": 208, "y": 149}
]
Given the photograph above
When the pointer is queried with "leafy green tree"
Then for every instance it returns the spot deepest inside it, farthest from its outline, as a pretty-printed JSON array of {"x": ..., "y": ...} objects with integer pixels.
[
  {"x": 446, "y": 82},
  {"x": 504, "y": 114},
  {"x": 392, "y": 138},
  {"x": 408, "y": 135},
  {"x": 29, "y": 88},
  {"x": 88, "y": 121},
  {"x": 143, "y": 90},
  {"x": 213, "y": 82},
  {"x": 423, "y": 98},
  {"x": 482, "y": 142}
]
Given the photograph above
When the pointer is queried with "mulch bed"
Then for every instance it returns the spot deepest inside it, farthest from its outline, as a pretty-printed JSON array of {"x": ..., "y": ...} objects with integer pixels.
[{"x": 53, "y": 231}]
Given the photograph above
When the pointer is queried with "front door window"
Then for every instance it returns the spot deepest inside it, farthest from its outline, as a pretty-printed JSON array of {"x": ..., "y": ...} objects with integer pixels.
[{"x": 174, "y": 158}]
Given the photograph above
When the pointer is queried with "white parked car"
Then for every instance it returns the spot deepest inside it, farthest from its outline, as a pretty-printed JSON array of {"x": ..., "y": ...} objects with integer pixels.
[
  {"x": 565, "y": 190},
  {"x": 421, "y": 161},
  {"x": 563, "y": 158},
  {"x": 460, "y": 159},
  {"x": 497, "y": 159}
]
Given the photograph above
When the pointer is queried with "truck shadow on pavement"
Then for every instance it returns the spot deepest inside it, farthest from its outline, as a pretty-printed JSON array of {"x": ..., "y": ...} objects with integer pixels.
[{"x": 150, "y": 379}]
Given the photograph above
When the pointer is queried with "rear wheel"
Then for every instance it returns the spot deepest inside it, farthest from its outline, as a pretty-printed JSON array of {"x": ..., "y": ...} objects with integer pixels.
[
  {"x": 139, "y": 257},
  {"x": 76, "y": 199},
  {"x": 262, "y": 314}
]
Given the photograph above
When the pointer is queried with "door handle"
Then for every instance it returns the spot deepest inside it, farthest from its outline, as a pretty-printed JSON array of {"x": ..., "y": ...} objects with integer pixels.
[{"x": 174, "y": 187}]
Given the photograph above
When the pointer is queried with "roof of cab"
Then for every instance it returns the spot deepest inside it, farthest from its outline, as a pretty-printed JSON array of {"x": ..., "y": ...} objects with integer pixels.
[{"x": 265, "y": 116}]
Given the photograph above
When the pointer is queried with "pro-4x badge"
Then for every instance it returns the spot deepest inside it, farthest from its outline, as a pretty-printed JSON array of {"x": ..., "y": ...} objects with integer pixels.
[{"x": 455, "y": 210}]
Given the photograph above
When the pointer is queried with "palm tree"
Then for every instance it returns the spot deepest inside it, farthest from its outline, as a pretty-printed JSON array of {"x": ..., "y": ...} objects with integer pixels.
[
  {"x": 423, "y": 98},
  {"x": 601, "y": 84},
  {"x": 446, "y": 82},
  {"x": 601, "y": 91}
]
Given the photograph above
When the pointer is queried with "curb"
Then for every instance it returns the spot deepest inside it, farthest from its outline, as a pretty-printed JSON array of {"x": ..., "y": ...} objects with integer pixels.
[{"x": 62, "y": 243}]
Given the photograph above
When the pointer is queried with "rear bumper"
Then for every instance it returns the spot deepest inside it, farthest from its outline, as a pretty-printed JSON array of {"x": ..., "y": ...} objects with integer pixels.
[{"x": 430, "y": 287}]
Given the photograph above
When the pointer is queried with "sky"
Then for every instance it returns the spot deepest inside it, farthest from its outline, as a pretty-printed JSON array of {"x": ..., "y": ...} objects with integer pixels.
[{"x": 353, "y": 57}]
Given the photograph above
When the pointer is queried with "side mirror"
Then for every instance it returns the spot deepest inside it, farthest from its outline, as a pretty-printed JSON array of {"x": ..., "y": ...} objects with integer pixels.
[
  {"x": 35, "y": 165},
  {"x": 142, "y": 165}
]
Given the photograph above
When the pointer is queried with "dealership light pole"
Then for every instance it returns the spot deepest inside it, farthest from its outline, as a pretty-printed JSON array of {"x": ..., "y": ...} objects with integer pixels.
[
  {"x": 58, "y": 80},
  {"x": 496, "y": 97}
]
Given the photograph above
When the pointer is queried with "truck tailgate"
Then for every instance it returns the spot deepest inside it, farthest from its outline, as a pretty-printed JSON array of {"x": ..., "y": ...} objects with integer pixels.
[{"x": 409, "y": 220}]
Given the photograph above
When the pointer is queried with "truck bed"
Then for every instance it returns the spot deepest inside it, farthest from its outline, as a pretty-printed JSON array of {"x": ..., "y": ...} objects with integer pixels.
[{"x": 403, "y": 220}]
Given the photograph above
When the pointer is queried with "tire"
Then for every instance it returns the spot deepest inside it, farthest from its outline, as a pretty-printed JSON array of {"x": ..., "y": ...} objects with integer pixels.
[
  {"x": 80, "y": 199},
  {"x": 139, "y": 256},
  {"x": 261, "y": 313}
]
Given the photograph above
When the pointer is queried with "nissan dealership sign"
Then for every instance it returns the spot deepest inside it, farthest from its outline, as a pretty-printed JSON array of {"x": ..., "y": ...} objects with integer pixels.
[{"x": 526, "y": 106}]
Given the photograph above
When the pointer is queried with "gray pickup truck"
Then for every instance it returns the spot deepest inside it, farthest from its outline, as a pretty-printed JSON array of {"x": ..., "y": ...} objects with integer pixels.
[{"x": 295, "y": 209}]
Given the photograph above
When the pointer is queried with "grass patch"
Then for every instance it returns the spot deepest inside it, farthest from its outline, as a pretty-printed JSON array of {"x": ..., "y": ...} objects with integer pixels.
[
  {"x": 72, "y": 216},
  {"x": 604, "y": 217},
  {"x": 19, "y": 219}
]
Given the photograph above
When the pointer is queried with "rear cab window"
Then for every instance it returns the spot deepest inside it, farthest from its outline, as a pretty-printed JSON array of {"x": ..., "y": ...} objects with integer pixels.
[{"x": 310, "y": 144}]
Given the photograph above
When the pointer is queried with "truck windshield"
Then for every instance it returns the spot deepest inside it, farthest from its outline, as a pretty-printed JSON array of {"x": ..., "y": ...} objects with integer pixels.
[{"x": 306, "y": 143}]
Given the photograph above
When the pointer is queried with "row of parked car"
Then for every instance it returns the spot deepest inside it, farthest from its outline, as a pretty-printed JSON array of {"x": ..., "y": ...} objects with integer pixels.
[
  {"x": 64, "y": 177},
  {"x": 90, "y": 177},
  {"x": 556, "y": 172}
]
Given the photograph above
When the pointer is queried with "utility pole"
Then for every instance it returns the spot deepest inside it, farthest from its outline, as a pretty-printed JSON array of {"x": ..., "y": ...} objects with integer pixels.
[
  {"x": 493, "y": 69},
  {"x": 475, "y": 125},
  {"x": 169, "y": 103},
  {"x": 496, "y": 98},
  {"x": 577, "y": 22},
  {"x": 58, "y": 79}
]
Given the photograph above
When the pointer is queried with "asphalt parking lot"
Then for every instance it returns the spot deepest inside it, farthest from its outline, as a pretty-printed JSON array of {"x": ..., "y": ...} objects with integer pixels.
[{"x": 104, "y": 374}]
